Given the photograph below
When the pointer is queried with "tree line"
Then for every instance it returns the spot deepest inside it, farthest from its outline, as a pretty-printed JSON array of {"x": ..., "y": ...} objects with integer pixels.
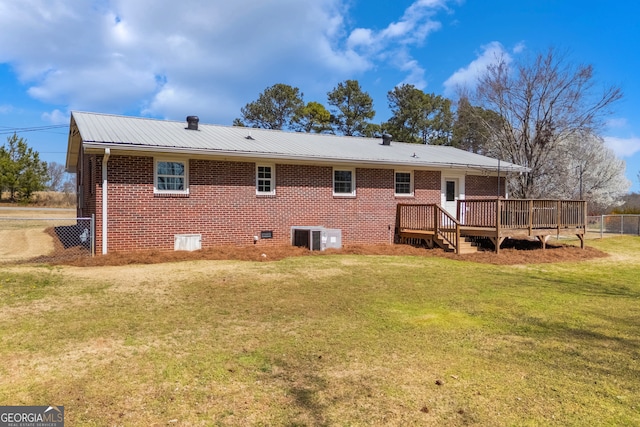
[
  {"x": 417, "y": 116},
  {"x": 544, "y": 112},
  {"x": 22, "y": 173}
]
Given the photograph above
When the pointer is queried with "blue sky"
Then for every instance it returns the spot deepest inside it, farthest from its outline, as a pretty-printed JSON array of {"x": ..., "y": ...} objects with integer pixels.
[{"x": 169, "y": 59}]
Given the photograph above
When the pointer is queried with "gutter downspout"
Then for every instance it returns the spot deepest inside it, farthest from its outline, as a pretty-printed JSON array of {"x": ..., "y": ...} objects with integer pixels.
[{"x": 105, "y": 160}]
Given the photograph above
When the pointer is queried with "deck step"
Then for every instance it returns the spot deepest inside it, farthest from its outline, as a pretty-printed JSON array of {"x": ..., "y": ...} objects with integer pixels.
[{"x": 466, "y": 247}]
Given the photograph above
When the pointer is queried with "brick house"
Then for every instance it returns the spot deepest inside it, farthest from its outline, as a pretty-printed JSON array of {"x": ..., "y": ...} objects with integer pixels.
[{"x": 151, "y": 184}]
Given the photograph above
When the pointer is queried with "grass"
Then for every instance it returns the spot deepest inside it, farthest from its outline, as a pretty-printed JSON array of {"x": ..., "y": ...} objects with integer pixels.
[
  {"x": 50, "y": 199},
  {"x": 331, "y": 340}
]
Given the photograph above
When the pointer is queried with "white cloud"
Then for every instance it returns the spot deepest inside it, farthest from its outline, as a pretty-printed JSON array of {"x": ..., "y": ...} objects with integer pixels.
[
  {"x": 164, "y": 57},
  {"x": 617, "y": 123},
  {"x": 519, "y": 47},
  {"x": 467, "y": 77},
  {"x": 114, "y": 56},
  {"x": 623, "y": 147},
  {"x": 360, "y": 37},
  {"x": 415, "y": 72},
  {"x": 413, "y": 27},
  {"x": 56, "y": 117},
  {"x": 6, "y": 109},
  {"x": 391, "y": 44}
]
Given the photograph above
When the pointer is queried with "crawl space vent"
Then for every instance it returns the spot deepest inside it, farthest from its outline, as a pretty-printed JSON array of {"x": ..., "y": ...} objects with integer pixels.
[{"x": 187, "y": 242}]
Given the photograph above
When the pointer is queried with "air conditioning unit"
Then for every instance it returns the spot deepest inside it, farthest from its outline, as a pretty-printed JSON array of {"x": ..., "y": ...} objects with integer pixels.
[
  {"x": 332, "y": 238},
  {"x": 316, "y": 238}
]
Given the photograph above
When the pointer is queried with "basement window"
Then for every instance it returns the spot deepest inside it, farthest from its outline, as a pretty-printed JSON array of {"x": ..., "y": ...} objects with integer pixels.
[{"x": 171, "y": 177}]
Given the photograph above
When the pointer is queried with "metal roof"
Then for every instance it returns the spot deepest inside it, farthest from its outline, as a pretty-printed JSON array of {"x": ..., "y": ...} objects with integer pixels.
[{"x": 123, "y": 133}]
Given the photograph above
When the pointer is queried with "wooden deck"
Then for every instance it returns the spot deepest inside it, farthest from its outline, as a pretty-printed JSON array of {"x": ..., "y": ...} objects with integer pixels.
[{"x": 493, "y": 219}]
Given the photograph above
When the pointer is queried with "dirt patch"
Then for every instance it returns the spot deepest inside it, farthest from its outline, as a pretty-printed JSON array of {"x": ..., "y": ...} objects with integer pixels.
[
  {"x": 512, "y": 252},
  {"x": 23, "y": 244},
  {"x": 11, "y": 211}
]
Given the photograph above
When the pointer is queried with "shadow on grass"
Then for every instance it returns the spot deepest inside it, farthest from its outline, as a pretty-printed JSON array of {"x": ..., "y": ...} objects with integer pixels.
[{"x": 306, "y": 398}]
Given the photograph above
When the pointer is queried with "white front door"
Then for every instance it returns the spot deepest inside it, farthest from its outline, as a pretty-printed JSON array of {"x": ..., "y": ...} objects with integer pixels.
[{"x": 450, "y": 195}]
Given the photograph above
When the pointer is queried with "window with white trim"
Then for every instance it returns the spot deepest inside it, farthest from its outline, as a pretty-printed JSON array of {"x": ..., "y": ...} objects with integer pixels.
[
  {"x": 344, "y": 182},
  {"x": 265, "y": 179},
  {"x": 403, "y": 183},
  {"x": 171, "y": 176}
]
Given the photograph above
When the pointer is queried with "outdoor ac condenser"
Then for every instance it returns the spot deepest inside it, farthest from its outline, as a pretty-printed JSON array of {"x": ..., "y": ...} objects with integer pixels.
[{"x": 316, "y": 238}]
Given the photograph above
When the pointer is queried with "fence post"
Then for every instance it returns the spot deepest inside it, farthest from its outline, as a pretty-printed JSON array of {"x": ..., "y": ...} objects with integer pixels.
[
  {"x": 93, "y": 235},
  {"x": 601, "y": 226}
]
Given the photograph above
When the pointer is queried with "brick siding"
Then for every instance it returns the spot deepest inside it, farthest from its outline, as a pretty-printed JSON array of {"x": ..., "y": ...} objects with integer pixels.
[
  {"x": 483, "y": 187},
  {"x": 222, "y": 204}
]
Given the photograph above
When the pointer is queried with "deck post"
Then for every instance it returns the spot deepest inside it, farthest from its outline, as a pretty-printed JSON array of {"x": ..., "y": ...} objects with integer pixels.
[
  {"x": 498, "y": 241},
  {"x": 559, "y": 217},
  {"x": 530, "y": 216},
  {"x": 397, "y": 231},
  {"x": 584, "y": 223}
]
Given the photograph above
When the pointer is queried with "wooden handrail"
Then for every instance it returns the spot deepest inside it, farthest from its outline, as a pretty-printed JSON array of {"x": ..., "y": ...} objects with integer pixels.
[
  {"x": 432, "y": 218},
  {"x": 522, "y": 214},
  {"x": 448, "y": 228},
  {"x": 499, "y": 217}
]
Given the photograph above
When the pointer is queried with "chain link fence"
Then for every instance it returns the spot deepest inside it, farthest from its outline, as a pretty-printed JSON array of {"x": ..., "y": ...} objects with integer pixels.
[
  {"x": 614, "y": 224},
  {"x": 45, "y": 239}
]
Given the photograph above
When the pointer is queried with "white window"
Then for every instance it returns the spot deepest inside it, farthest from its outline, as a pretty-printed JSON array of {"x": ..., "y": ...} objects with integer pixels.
[
  {"x": 171, "y": 176},
  {"x": 344, "y": 182},
  {"x": 265, "y": 179},
  {"x": 403, "y": 183}
]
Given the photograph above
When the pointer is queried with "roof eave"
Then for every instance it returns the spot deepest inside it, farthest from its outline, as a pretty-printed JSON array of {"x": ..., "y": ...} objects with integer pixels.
[
  {"x": 298, "y": 158},
  {"x": 73, "y": 147}
]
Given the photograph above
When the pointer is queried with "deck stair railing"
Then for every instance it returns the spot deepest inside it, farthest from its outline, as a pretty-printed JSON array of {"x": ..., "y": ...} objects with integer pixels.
[
  {"x": 432, "y": 219},
  {"x": 447, "y": 228},
  {"x": 495, "y": 219}
]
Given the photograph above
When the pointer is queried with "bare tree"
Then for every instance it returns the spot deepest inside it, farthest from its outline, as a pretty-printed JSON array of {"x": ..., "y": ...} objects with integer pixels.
[
  {"x": 56, "y": 174},
  {"x": 583, "y": 167},
  {"x": 542, "y": 102},
  {"x": 69, "y": 185}
]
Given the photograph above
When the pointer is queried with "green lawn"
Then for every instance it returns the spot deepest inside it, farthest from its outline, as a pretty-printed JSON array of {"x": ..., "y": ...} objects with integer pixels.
[{"x": 328, "y": 340}]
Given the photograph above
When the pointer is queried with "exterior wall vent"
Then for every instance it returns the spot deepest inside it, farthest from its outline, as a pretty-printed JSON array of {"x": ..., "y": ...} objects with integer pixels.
[
  {"x": 187, "y": 242},
  {"x": 192, "y": 122}
]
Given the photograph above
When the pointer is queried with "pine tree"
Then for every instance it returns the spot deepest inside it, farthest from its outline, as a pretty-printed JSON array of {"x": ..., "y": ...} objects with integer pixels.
[{"x": 21, "y": 170}]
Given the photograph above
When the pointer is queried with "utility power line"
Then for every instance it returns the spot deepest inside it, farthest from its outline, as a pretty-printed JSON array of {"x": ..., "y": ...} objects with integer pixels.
[{"x": 8, "y": 130}]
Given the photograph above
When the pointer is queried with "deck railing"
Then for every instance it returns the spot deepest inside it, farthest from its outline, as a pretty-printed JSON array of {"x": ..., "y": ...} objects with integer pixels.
[
  {"x": 495, "y": 219},
  {"x": 416, "y": 217},
  {"x": 522, "y": 214},
  {"x": 429, "y": 218},
  {"x": 447, "y": 228}
]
